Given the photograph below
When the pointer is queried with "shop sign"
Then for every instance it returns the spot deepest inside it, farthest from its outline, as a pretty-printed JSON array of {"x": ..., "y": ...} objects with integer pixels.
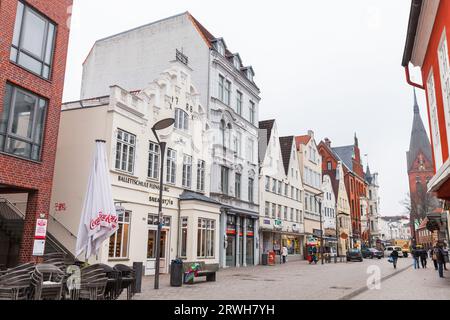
[
  {"x": 344, "y": 236},
  {"x": 41, "y": 229},
  {"x": 317, "y": 232},
  {"x": 165, "y": 202},
  {"x": 267, "y": 221},
  {"x": 38, "y": 247},
  {"x": 144, "y": 184}
]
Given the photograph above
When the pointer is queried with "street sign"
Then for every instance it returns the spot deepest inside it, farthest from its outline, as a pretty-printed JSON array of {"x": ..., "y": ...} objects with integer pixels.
[{"x": 317, "y": 233}]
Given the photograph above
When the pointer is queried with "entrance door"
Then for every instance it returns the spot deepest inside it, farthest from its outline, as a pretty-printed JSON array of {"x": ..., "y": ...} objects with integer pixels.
[
  {"x": 151, "y": 252},
  {"x": 250, "y": 260},
  {"x": 231, "y": 251}
]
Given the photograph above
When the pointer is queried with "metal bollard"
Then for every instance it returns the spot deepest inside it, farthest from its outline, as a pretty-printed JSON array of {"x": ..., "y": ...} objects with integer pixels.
[{"x": 138, "y": 268}]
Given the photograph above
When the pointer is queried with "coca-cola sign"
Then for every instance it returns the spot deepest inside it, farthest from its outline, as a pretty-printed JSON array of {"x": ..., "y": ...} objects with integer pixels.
[{"x": 104, "y": 220}]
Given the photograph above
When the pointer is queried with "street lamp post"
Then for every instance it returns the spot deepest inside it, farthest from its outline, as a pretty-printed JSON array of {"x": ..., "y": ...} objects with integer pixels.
[{"x": 161, "y": 125}]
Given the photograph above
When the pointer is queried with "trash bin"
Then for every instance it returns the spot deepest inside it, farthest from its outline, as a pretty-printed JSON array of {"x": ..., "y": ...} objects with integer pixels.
[
  {"x": 265, "y": 259},
  {"x": 176, "y": 273}
]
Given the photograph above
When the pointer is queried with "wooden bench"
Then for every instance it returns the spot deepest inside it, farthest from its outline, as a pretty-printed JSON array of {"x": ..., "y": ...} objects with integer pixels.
[{"x": 205, "y": 270}]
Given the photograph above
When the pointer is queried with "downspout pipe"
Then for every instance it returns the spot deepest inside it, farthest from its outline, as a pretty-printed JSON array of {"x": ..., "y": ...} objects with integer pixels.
[{"x": 410, "y": 82}]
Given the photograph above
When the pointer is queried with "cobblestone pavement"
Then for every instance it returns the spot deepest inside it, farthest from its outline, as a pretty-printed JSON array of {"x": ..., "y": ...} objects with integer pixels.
[{"x": 299, "y": 280}]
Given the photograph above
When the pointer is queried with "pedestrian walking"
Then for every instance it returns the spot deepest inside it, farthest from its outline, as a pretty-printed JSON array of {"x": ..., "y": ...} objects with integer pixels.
[
  {"x": 433, "y": 257},
  {"x": 445, "y": 257},
  {"x": 416, "y": 256},
  {"x": 284, "y": 253},
  {"x": 394, "y": 256},
  {"x": 440, "y": 256},
  {"x": 423, "y": 257}
]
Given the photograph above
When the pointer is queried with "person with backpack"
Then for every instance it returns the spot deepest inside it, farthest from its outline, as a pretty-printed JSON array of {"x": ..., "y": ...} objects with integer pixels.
[
  {"x": 438, "y": 252},
  {"x": 394, "y": 256}
]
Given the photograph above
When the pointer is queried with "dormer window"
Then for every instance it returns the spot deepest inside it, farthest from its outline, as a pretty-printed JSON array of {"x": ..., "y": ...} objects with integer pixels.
[
  {"x": 237, "y": 63},
  {"x": 250, "y": 74},
  {"x": 220, "y": 47}
]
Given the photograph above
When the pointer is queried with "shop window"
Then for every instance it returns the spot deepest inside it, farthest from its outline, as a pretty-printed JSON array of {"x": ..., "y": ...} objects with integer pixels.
[
  {"x": 119, "y": 241},
  {"x": 206, "y": 238},
  {"x": 33, "y": 41},
  {"x": 184, "y": 235},
  {"x": 22, "y": 123},
  {"x": 125, "y": 151}
]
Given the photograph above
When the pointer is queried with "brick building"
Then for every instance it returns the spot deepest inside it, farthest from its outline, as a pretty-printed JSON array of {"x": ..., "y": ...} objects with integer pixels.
[
  {"x": 426, "y": 47},
  {"x": 34, "y": 38},
  {"x": 354, "y": 178}
]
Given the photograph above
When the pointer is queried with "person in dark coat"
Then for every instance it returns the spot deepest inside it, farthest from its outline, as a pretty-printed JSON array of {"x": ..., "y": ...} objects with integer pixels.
[
  {"x": 440, "y": 259},
  {"x": 433, "y": 257},
  {"x": 394, "y": 256},
  {"x": 416, "y": 256},
  {"x": 423, "y": 257}
]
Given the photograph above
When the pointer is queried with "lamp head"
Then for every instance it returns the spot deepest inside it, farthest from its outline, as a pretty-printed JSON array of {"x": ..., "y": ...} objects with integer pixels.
[{"x": 163, "y": 124}]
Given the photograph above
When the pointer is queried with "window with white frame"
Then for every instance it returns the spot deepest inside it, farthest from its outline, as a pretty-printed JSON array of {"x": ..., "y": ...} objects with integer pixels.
[
  {"x": 125, "y": 151},
  {"x": 184, "y": 236},
  {"x": 153, "y": 161},
  {"x": 252, "y": 112},
  {"x": 239, "y": 143},
  {"x": 444, "y": 71},
  {"x": 292, "y": 214},
  {"x": 119, "y": 241},
  {"x": 250, "y": 147},
  {"x": 436, "y": 138},
  {"x": 224, "y": 175},
  {"x": 187, "y": 171},
  {"x": 181, "y": 119},
  {"x": 274, "y": 185},
  {"x": 171, "y": 166},
  {"x": 237, "y": 185},
  {"x": 267, "y": 209},
  {"x": 220, "y": 48},
  {"x": 221, "y": 92},
  {"x": 201, "y": 175},
  {"x": 239, "y": 99},
  {"x": 285, "y": 213},
  {"x": 267, "y": 184},
  {"x": 250, "y": 190},
  {"x": 227, "y": 93},
  {"x": 274, "y": 210},
  {"x": 279, "y": 187},
  {"x": 206, "y": 238},
  {"x": 33, "y": 41}
]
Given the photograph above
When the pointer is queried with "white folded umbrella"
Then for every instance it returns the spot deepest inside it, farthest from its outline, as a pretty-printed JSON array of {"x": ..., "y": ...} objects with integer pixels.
[{"x": 98, "y": 218}]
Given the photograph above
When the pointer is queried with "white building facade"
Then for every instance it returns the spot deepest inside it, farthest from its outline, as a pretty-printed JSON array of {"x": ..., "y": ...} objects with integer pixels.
[
  {"x": 231, "y": 99},
  {"x": 329, "y": 212},
  {"x": 124, "y": 119},
  {"x": 343, "y": 212},
  {"x": 374, "y": 206},
  {"x": 310, "y": 163},
  {"x": 281, "y": 210}
]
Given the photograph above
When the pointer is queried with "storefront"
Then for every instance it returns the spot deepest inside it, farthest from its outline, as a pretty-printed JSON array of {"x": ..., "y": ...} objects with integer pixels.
[{"x": 240, "y": 241}]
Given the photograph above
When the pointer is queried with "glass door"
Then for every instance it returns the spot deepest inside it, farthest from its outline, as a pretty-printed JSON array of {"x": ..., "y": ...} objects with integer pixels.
[
  {"x": 151, "y": 252},
  {"x": 230, "y": 252},
  {"x": 249, "y": 259}
]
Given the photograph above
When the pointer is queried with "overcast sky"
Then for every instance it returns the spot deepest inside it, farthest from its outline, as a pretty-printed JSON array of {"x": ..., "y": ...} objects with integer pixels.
[{"x": 330, "y": 66}]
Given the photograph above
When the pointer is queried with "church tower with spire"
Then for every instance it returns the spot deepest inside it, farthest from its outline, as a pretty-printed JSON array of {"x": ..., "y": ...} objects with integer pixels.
[{"x": 419, "y": 160}]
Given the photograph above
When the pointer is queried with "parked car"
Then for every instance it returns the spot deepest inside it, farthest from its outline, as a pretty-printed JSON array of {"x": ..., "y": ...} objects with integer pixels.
[
  {"x": 354, "y": 254},
  {"x": 372, "y": 253},
  {"x": 389, "y": 249}
]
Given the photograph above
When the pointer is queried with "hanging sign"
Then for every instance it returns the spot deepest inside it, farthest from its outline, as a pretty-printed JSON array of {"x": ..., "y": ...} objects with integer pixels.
[
  {"x": 38, "y": 247},
  {"x": 41, "y": 229}
]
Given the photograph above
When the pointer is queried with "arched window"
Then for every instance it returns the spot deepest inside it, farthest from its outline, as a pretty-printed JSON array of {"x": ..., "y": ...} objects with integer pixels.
[{"x": 181, "y": 119}]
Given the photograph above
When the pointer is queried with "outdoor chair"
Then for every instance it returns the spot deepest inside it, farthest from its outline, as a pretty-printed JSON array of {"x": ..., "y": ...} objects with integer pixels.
[
  {"x": 57, "y": 258},
  {"x": 47, "y": 282},
  {"x": 15, "y": 282},
  {"x": 93, "y": 283},
  {"x": 112, "y": 285},
  {"x": 127, "y": 280}
]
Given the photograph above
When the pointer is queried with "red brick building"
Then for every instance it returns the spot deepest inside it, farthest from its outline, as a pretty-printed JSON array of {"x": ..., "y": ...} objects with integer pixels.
[
  {"x": 426, "y": 47},
  {"x": 354, "y": 178},
  {"x": 34, "y": 38}
]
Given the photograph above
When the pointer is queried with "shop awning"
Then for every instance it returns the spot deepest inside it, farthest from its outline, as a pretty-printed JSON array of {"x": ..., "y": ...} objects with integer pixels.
[
  {"x": 440, "y": 183},
  {"x": 239, "y": 212}
]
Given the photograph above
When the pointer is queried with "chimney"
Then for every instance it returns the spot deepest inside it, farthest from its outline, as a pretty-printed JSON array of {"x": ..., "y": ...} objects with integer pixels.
[
  {"x": 311, "y": 133},
  {"x": 328, "y": 142}
]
